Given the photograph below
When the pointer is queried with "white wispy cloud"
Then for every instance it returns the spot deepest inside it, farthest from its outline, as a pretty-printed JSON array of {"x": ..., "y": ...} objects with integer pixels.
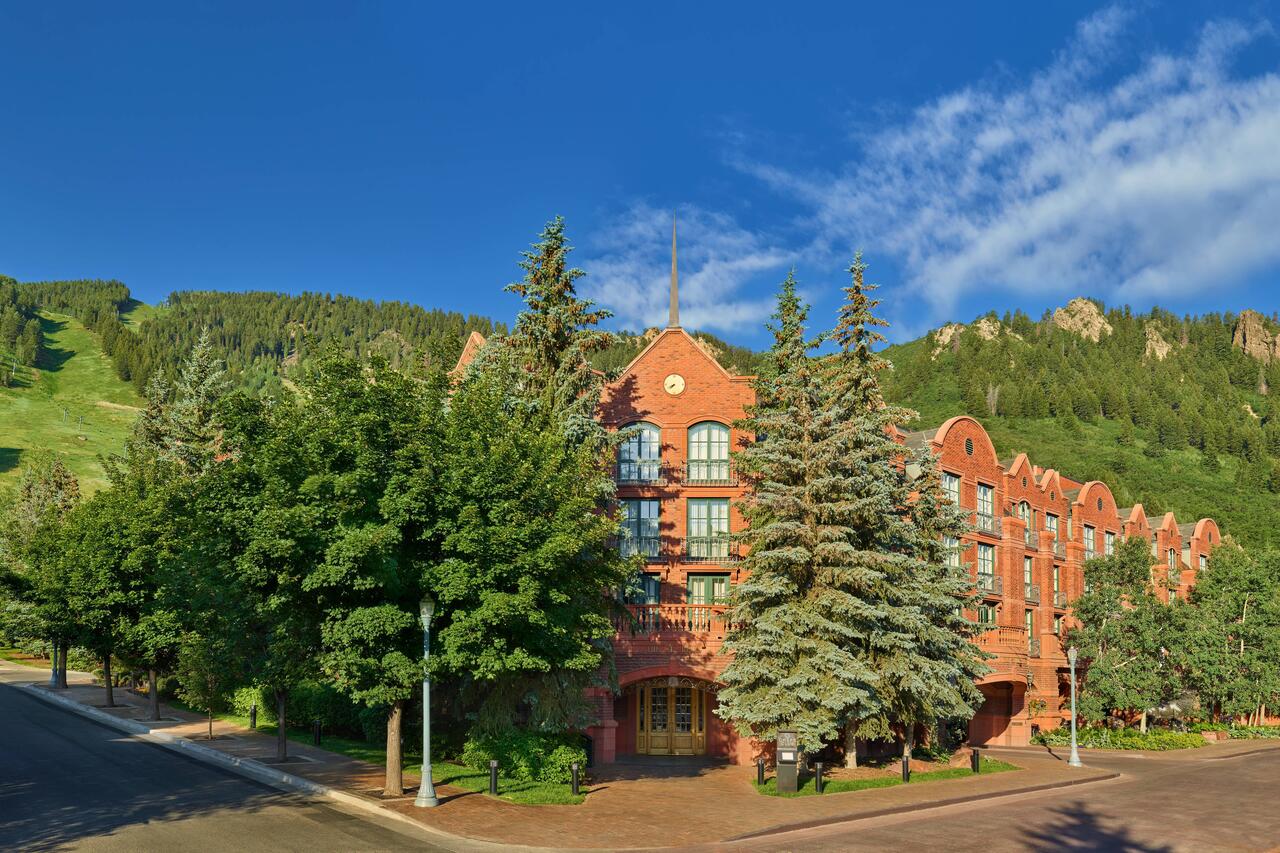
[
  {"x": 630, "y": 270},
  {"x": 1154, "y": 183}
]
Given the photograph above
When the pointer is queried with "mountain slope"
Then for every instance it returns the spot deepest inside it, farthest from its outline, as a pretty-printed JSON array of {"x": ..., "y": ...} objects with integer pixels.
[
  {"x": 71, "y": 403},
  {"x": 1176, "y": 413}
]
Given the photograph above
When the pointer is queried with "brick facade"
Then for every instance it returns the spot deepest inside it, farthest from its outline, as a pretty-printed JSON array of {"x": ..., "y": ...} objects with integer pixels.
[{"x": 1027, "y": 593}]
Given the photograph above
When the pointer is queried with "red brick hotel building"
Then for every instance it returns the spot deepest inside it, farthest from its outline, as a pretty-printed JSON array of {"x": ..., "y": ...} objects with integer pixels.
[{"x": 1033, "y": 528}]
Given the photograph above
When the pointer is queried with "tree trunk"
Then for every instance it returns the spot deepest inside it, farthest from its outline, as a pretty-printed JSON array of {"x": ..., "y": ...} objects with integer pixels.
[
  {"x": 1142, "y": 726},
  {"x": 282, "y": 742},
  {"x": 106, "y": 680},
  {"x": 62, "y": 666},
  {"x": 210, "y": 724},
  {"x": 153, "y": 696},
  {"x": 53, "y": 665},
  {"x": 394, "y": 784},
  {"x": 850, "y": 747}
]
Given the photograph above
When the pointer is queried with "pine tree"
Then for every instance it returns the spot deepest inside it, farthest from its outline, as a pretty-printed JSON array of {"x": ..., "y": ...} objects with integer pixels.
[
  {"x": 191, "y": 428},
  {"x": 799, "y": 624},
  {"x": 892, "y": 552}
]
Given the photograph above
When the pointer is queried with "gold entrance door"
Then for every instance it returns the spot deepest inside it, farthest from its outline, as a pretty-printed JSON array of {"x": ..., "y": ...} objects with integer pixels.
[{"x": 671, "y": 720}]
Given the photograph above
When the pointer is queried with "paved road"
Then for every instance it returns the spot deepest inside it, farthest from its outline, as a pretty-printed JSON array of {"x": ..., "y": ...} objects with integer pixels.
[
  {"x": 67, "y": 783},
  {"x": 1161, "y": 803}
]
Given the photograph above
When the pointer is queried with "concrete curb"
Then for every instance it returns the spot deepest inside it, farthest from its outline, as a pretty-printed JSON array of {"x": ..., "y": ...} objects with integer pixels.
[
  {"x": 255, "y": 770},
  {"x": 917, "y": 807}
]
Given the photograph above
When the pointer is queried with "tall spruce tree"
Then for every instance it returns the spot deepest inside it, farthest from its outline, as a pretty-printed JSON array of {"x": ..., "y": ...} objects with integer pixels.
[
  {"x": 801, "y": 620},
  {"x": 893, "y": 556}
]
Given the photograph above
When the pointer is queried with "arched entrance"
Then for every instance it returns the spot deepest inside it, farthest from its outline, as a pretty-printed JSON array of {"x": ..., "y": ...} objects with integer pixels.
[
  {"x": 1001, "y": 721},
  {"x": 670, "y": 715}
]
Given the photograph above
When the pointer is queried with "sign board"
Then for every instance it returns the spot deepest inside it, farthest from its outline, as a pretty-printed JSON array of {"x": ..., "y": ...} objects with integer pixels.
[
  {"x": 787, "y": 745},
  {"x": 788, "y": 740}
]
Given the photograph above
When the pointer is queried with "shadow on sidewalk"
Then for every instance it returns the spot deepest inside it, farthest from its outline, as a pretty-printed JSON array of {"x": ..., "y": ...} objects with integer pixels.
[{"x": 1080, "y": 829}]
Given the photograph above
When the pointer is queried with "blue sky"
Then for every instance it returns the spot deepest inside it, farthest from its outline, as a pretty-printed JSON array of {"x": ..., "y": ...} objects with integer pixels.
[{"x": 995, "y": 155}]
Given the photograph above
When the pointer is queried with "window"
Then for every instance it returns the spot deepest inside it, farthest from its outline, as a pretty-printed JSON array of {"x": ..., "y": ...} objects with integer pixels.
[
  {"x": 708, "y": 528},
  {"x": 1155, "y": 544},
  {"x": 709, "y": 453},
  {"x": 951, "y": 487},
  {"x": 1109, "y": 543},
  {"x": 640, "y": 455},
  {"x": 1051, "y": 525},
  {"x": 1024, "y": 513},
  {"x": 1029, "y": 621},
  {"x": 640, "y": 529},
  {"x": 984, "y": 500},
  {"x": 951, "y": 547},
  {"x": 1057, "y": 580},
  {"x": 986, "y": 560},
  {"x": 646, "y": 591},
  {"x": 1026, "y": 571},
  {"x": 1173, "y": 558},
  {"x": 968, "y": 446},
  {"x": 1204, "y": 561},
  {"x": 708, "y": 589},
  {"x": 1057, "y": 625},
  {"x": 987, "y": 614},
  {"x": 1173, "y": 595},
  {"x": 1090, "y": 542}
]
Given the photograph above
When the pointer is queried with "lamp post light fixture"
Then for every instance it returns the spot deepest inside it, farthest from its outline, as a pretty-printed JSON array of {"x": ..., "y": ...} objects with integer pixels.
[
  {"x": 1074, "y": 760},
  {"x": 427, "y": 789}
]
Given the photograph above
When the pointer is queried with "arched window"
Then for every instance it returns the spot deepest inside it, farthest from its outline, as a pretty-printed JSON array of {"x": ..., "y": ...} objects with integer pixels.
[
  {"x": 709, "y": 453},
  {"x": 640, "y": 455}
]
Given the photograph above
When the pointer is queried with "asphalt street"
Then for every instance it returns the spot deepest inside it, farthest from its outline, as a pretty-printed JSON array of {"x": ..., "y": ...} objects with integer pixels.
[
  {"x": 67, "y": 783},
  {"x": 1162, "y": 803}
]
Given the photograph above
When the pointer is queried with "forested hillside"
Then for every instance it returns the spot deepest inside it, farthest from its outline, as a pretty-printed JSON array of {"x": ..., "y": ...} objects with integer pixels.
[
  {"x": 1176, "y": 412},
  {"x": 260, "y": 335}
]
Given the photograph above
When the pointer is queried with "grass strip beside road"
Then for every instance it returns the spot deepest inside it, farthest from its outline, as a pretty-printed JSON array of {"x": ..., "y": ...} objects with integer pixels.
[{"x": 841, "y": 786}]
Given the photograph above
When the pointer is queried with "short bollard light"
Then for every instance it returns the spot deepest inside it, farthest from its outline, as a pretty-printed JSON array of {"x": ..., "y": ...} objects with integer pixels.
[
  {"x": 493, "y": 776},
  {"x": 817, "y": 776},
  {"x": 759, "y": 771},
  {"x": 574, "y": 781},
  {"x": 975, "y": 761},
  {"x": 253, "y": 715},
  {"x": 315, "y": 731}
]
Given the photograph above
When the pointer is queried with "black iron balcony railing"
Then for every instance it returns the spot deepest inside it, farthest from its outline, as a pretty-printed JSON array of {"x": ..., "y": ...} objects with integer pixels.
[
  {"x": 710, "y": 472},
  {"x": 633, "y": 473},
  {"x": 1031, "y": 538},
  {"x": 1033, "y": 647},
  {"x": 710, "y": 549},
  {"x": 1059, "y": 599},
  {"x": 649, "y": 547},
  {"x": 1031, "y": 592},
  {"x": 990, "y": 584},
  {"x": 988, "y": 523}
]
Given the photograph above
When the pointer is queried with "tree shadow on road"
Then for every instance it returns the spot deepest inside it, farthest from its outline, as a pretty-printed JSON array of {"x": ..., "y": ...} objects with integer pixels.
[{"x": 1077, "y": 828}]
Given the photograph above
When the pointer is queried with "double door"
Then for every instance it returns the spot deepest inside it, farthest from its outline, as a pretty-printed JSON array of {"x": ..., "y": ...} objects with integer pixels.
[{"x": 671, "y": 720}]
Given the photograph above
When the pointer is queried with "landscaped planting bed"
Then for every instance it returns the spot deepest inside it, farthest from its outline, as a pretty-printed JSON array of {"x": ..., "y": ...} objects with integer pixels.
[
  {"x": 881, "y": 777},
  {"x": 1100, "y": 737}
]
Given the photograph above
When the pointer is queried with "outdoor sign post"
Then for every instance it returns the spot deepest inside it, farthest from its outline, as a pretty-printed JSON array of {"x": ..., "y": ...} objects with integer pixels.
[{"x": 788, "y": 762}]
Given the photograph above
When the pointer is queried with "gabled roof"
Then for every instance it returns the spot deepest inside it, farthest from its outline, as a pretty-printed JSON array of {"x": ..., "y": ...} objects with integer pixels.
[
  {"x": 919, "y": 438},
  {"x": 475, "y": 342},
  {"x": 1186, "y": 531},
  {"x": 679, "y": 331}
]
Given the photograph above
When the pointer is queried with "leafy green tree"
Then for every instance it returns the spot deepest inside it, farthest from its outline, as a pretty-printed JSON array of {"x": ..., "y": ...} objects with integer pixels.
[{"x": 1126, "y": 635}]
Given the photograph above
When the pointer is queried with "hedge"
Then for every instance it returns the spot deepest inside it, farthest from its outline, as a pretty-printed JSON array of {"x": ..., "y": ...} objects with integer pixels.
[
  {"x": 527, "y": 756},
  {"x": 1098, "y": 737}
]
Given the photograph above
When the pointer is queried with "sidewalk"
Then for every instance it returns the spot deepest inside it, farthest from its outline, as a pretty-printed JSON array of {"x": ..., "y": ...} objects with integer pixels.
[{"x": 632, "y": 805}]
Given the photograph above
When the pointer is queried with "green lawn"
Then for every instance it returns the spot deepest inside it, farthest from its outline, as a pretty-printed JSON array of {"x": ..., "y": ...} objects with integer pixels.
[
  {"x": 74, "y": 380},
  {"x": 841, "y": 786},
  {"x": 18, "y": 656},
  {"x": 526, "y": 793}
]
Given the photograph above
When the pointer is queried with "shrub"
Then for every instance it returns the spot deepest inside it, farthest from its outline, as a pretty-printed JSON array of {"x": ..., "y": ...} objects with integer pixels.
[
  {"x": 1208, "y": 727},
  {"x": 526, "y": 756},
  {"x": 1245, "y": 732},
  {"x": 1104, "y": 738}
]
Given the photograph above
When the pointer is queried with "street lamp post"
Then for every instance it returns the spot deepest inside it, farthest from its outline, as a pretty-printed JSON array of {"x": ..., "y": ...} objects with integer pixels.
[
  {"x": 427, "y": 789},
  {"x": 1074, "y": 760}
]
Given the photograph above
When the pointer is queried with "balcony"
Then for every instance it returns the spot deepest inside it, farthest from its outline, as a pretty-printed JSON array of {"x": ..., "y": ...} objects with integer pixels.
[
  {"x": 990, "y": 584},
  {"x": 1031, "y": 592},
  {"x": 1031, "y": 539},
  {"x": 1060, "y": 549},
  {"x": 1059, "y": 599},
  {"x": 710, "y": 472},
  {"x": 659, "y": 620},
  {"x": 649, "y": 547},
  {"x": 632, "y": 473},
  {"x": 710, "y": 549},
  {"x": 1033, "y": 647},
  {"x": 988, "y": 523},
  {"x": 1003, "y": 639}
]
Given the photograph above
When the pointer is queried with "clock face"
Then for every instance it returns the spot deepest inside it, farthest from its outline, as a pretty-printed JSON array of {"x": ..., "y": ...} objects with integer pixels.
[{"x": 673, "y": 384}]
